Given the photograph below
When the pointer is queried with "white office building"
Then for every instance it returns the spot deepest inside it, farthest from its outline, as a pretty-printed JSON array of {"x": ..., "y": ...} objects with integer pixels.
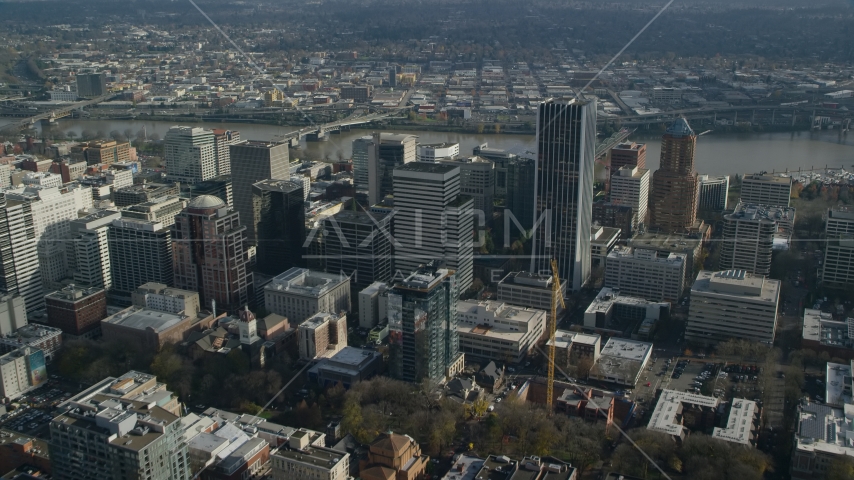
[
  {"x": 529, "y": 290},
  {"x": 714, "y": 192},
  {"x": 497, "y": 331},
  {"x": 89, "y": 250},
  {"x": 752, "y": 233},
  {"x": 838, "y": 269},
  {"x": 733, "y": 304},
  {"x": 434, "y": 220},
  {"x": 771, "y": 190},
  {"x": 646, "y": 273},
  {"x": 190, "y": 154},
  {"x": 299, "y": 293},
  {"x": 373, "y": 305},
  {"x": 21, "y": 370},
  {"x": 630, "y": 187},
  {"x": 52, "y": 211},
  {"x": 19, "y": 261},
  {"x": 42, "y": 179},
  {"x": 436, "y": 151}
]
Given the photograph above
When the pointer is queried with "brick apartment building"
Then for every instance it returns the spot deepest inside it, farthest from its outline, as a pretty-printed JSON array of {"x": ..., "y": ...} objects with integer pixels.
[{"x": 77, "y": 311}]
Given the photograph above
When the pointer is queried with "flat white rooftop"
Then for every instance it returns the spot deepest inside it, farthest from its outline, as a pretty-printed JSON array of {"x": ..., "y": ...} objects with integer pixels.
[
  {"x": 739, "y": 425},
  {"x": 837, "y": 377},
  {"x": 669, "y": 406},
  {"x": 626, "y": 349}
]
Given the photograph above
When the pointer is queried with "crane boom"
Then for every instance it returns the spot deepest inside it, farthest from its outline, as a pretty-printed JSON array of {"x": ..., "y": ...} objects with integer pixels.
[{"x": 557, "y": 296}]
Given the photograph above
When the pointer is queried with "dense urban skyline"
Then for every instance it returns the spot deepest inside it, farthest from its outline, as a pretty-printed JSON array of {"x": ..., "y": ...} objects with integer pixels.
[{"x": 399, "y": 240}]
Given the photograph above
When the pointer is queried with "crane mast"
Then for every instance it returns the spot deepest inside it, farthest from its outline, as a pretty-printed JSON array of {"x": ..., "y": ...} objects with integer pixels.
[{"x": 556, "y": 297}]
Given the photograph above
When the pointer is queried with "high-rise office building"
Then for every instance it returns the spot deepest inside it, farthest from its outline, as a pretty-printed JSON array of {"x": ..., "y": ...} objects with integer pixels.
[
  {"x": 190, "y": 154},
  {"x": 361, "y": 147},
  {"x": 630, "y": 186},
  {"x": 750, "y": 233},
  {"x": 52, "y": 209},
  {"x": 732, "y": 304},
  {"x": 223, "y": 139},
  {"x": 251, "y": 162},
  {"x": 521, "y": 176},
  {"x": 422, "y": 325},
  {"x": 120, "y": 428},
  {"x": 713, "y": 193},
  {"x": 628, "y": 154},
  {"x": 388, "y": 151},
  {"x": 433, "y": 220},
  {"x": 652, "y": 275},
  {"x": 19, "y": 262},
  {"x": 838, "y": 270},
  {"x": 673, "y": 203},
  {"x": 477, "y": 180},
  {"x": 207, "y": 247},
  {"x": 88, "y": 249},
  {"x": 278, "y": 218},
  {"x": 502, "y": 160},
  {"x": 140, "y": 252},
  {"x": 764, "y": 189},
  {"x": 358, "y": 245},
  {"x": 91, "y": 84},
  {"x": 566, "y": 137}
]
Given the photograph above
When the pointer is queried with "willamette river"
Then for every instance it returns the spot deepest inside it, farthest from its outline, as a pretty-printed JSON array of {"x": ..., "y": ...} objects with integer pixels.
[{"x": 716, "y": 153}]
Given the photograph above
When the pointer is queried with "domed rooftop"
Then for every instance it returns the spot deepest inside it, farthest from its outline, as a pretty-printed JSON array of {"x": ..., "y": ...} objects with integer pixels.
[{"x": 206, "y": 201}]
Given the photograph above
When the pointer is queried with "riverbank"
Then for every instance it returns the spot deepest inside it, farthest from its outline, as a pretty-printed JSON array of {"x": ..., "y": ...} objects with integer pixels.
[
  {"x": 718, "y": 152},
  {"x": 469, "y": 128}
]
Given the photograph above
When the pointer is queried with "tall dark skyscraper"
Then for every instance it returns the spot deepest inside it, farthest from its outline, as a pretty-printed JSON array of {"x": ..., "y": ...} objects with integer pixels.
[
  {"x": 91, "y": 84},
  {"x": 387, "y": 152},
  {"x": 251, "y": 162},
  {"x": 279, "y": 218},
  {"x": 357, "y": 245},
  {"x": 521, "y": 177},
  {"x": 422, "y": 326},
  {"x": 140, "y": 252},
  {"x": 675, "y": 185},
  {"x": 563, "y": 192}
]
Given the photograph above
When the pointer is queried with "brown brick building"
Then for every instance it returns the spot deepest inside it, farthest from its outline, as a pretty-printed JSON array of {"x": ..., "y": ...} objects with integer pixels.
[
  {"x": 675, "y": 185},
  {"x": 77, "y": 311},
  {"x": 628, "y": 154}
]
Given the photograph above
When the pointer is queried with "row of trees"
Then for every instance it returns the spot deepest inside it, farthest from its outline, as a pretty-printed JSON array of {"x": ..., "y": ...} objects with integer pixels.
[{"x": 224, "y": 381}]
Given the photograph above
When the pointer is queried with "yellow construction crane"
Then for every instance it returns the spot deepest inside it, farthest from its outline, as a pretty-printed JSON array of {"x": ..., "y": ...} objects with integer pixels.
[{"x": 556, "y": 297}]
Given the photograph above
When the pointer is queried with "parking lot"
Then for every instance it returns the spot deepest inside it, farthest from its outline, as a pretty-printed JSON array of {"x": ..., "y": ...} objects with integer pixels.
[{"x": 35, "y": 410}]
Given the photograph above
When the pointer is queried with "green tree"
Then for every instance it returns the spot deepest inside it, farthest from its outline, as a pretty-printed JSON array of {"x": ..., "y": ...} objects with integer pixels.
[{"x": 841, "y": 468}]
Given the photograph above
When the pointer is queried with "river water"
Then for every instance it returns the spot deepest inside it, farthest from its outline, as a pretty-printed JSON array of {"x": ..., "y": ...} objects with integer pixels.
[{"x": 717, "y": 154}]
